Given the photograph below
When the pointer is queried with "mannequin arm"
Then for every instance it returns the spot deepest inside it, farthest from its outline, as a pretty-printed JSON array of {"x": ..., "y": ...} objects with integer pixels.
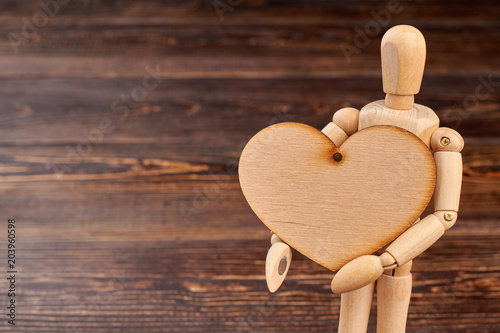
[
  {"x": 344, "y": 123},
  {"x": 447, "y": 145}
]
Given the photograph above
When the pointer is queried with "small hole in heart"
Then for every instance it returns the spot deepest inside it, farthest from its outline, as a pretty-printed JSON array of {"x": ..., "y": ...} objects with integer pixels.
[
  {"x": 282, "y": 266},
  {"x": 337, "y": 157}
]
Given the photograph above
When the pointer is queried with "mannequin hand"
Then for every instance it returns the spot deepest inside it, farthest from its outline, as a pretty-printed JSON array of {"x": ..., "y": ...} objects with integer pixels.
[{"x": 361, "y": 272}]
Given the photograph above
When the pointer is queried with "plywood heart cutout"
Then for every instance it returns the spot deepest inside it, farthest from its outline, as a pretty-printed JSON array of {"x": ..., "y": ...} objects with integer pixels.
[{"x": 336, "y": 204}]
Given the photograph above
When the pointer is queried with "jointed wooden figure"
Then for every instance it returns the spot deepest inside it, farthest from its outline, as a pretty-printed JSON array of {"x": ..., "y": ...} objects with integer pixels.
[{"x": 358, "y": 187}]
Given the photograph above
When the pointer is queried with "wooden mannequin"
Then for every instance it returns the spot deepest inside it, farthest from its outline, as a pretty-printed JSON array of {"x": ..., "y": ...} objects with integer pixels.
[{"x": 403, "y": 57}]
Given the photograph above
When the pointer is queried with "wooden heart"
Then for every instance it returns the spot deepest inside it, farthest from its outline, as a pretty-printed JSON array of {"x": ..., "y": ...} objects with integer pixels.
[{"x": 334, "y": 211}]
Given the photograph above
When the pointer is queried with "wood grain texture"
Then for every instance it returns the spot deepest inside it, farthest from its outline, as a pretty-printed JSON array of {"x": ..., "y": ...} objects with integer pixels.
[
  {"x": 335, "y": 133},
  {"x": 416, "y": 239},
  {"x": 150, "y": 232},
  {"x": 292, "y": 179},
  {"x": 447, "y": 139},
  {"x": 399, "y": 102},
  {"x": 448, "y": 180},
  {"x": 355, "y": 310},
  {"x": 403, "y": 55},
  {"x": 393, "y": 300},
  {"x": 419, "y": 120},
  {"x": 347, "y": 119}
]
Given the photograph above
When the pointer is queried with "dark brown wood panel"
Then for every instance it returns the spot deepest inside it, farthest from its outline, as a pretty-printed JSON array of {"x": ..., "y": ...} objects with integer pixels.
[
  {"x": 214, "y": 286},
  {"x": 223, "y": 111},
  {"x": 189, "y": 39},
  {"x": 130, "y": 216}
]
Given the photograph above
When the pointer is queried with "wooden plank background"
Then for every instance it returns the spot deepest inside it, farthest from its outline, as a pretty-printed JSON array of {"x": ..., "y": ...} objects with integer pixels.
[{"x": 146, "y": 229}]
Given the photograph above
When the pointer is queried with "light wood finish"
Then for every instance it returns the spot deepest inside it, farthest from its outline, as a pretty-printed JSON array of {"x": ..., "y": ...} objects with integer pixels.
[
  {"x": 278, "y": 260},
  {"x": 399, "y": 271},
  {"x": 448, "y": 181},
  {"x": 393, "y": 299},
  {"x": 444, "y": 218},
  {"x": 416, "y": 239},
  {"x": 419, "y": 120},
  {"x": 403, "y": 60},
  {"x": 127, "y": 262},
  {"x": 387, "y": 261},
  {"x": 447, "y": 139},
  {"x": 399, "y": 102},
  {"x": 347, "y": 119},
  {"x": 335, "y": 133},
  {"x": 333, "y": 212},
  {"x": 403, "y": 270},
  {"x": 355, "y": 310},
  {"x": 357, "y": 274},
  {"x": 275, "y": 238}
]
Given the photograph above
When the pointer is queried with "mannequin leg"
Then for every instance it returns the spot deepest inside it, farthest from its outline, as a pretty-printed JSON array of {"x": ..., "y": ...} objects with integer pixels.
[
  {"x": 393, "y": 299},
  {"x": 355, "y": 310}
]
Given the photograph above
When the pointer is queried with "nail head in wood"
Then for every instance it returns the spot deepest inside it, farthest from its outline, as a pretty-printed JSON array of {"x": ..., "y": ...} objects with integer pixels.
[
  {"x": 446, "y": 139},
  {"x": 448, "y": 216}
]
